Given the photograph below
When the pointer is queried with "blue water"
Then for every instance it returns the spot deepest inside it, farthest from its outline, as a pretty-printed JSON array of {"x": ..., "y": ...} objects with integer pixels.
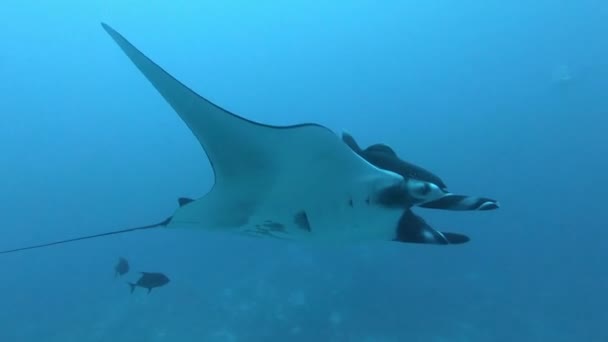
[{"x": 505, "y": 99}]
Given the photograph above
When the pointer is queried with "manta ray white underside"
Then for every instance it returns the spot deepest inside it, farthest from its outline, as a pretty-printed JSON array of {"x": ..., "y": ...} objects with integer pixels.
[{"x": 294, "y": 182}]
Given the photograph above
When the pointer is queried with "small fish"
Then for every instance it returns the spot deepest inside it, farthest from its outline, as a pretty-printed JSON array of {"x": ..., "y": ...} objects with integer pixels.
[
  {"x": 122, "y": 267},
  {"x": 149, "y": 280}
]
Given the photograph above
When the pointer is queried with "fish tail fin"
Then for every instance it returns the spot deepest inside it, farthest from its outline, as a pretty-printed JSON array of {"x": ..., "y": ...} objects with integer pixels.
[{"x": 132, "y": 287}]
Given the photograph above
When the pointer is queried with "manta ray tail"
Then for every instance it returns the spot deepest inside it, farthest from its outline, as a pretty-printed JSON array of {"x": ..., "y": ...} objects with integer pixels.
[
  {"x": 461, "y": 203},
  {"x": 413, "y": 229},
  {"x": 181, "y": 201},
  {"x": 121, "y": 231}
]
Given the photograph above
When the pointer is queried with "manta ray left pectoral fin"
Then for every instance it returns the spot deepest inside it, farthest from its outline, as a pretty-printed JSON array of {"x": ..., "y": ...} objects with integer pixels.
[{"x": 413, "y": 229}]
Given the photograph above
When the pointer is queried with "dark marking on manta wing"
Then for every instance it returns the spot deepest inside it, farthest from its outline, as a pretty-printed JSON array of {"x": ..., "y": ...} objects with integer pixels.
[
  {"x": 301, "y": 220},
  {"x": 184, "y": 200}
]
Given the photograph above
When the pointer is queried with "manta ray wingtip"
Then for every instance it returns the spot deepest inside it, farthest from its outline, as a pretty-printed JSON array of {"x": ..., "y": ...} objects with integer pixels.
[{"x": 111, "y": 31}]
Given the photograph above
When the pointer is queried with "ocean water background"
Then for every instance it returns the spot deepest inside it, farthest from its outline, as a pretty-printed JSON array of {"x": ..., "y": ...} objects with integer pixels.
[{"x": 505, "y": 99}]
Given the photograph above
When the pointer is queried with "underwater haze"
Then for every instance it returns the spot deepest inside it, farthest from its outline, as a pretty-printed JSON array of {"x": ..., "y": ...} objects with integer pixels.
[{"x": 505, "y": 99}]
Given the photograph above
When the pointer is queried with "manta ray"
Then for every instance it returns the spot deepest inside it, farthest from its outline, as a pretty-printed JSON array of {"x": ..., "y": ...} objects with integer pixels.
[
  {"x": 300, "y": 182},
  {"x": 412, "y": 228}
]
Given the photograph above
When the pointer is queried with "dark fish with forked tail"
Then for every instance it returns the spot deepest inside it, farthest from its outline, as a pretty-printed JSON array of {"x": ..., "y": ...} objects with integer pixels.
[
  {"x": 122, "y": 267},
  {"x": 149, "y": 280}
]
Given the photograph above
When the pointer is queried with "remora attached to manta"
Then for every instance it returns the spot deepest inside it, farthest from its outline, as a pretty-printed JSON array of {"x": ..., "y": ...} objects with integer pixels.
[{"x": 299, "y": 182}]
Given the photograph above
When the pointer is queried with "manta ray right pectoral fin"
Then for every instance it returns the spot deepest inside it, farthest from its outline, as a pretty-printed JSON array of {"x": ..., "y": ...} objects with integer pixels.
[{"x": 413, "y": 229}]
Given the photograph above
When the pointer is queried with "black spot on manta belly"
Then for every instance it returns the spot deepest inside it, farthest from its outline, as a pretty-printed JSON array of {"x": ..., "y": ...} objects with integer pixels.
[{"x": 301, "y": 220}]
